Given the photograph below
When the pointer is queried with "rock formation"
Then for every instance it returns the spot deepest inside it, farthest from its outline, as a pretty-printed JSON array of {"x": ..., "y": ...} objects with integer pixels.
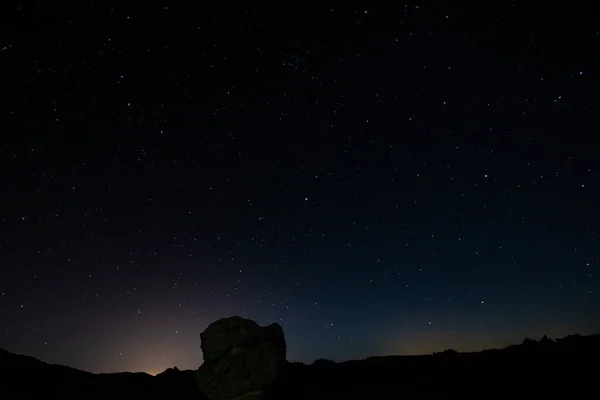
[{"x": 241, "y": 359}]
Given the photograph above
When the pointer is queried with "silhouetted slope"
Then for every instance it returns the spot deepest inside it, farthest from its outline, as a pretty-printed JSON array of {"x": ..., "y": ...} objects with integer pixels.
[
  {"x": 13, "y": 361},
  {"x": 24, "y": 377}
]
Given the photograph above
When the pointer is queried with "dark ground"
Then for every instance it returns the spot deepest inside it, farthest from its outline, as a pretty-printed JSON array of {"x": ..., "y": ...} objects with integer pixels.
[{"x": 566, "y": 367}]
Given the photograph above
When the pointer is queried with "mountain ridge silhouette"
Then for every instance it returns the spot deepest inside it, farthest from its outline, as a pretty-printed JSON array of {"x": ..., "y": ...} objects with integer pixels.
[{"x": 546, "y": 365}]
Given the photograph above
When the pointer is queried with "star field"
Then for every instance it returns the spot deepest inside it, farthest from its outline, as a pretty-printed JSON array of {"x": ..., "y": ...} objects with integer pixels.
[{"x": 395, "y": 179}]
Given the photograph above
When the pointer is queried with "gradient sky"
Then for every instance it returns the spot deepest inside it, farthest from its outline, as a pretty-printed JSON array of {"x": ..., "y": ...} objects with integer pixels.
[{"x": 397, "y": 179}]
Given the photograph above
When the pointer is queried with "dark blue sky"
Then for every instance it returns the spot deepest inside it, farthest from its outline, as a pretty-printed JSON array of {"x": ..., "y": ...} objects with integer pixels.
[{"x": 396, "y": 179}]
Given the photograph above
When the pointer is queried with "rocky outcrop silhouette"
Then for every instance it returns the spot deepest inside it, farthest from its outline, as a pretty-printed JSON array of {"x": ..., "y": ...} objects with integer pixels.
[
  {"x": 446, "y": 353},
  {"x": 241, "y": 359},
  {"x": 322, "y": 363}
]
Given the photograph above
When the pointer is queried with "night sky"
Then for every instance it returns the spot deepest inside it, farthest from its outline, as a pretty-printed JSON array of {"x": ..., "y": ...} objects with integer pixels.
[{"x": 389, "y": 179}]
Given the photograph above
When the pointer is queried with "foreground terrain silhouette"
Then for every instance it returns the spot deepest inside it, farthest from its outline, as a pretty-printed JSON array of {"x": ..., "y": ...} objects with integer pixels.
[{"x": 234, "y": 371}]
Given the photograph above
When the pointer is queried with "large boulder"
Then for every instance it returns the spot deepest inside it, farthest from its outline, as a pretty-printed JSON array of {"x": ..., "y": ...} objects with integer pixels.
[
  {"x": 241, "y": 359},
  {"x": 223, "y": 334}
]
